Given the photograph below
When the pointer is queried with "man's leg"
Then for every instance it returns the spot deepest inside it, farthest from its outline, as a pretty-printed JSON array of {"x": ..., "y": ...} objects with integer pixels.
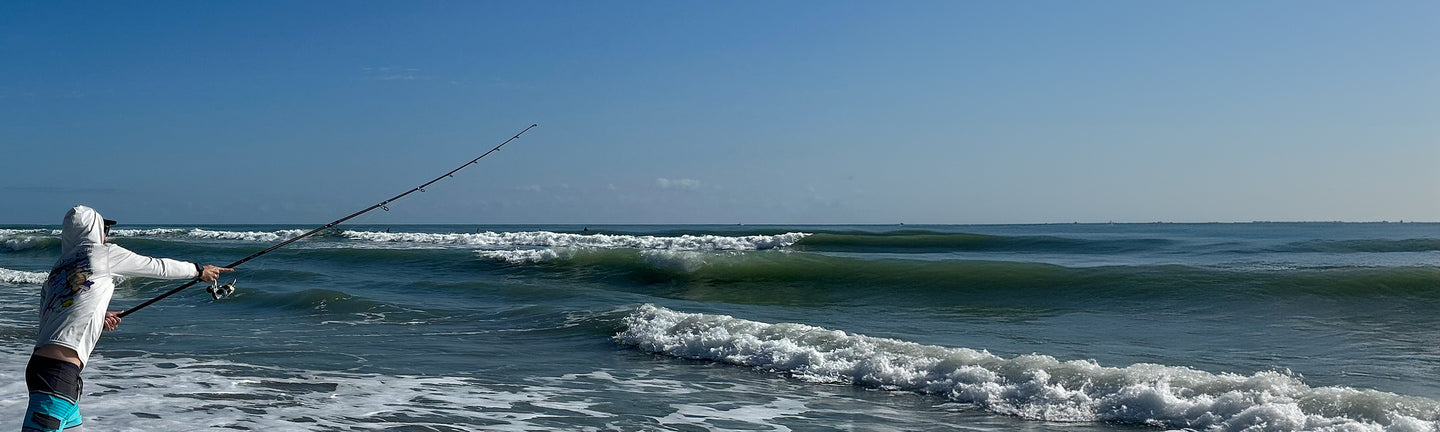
[
  {"x": 49, "y": 413},
  {"x": 55, "y": 388}
]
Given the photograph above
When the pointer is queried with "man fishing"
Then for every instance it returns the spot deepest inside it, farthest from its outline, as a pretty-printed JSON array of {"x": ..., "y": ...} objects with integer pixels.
[{"x": 73, "y": 313}]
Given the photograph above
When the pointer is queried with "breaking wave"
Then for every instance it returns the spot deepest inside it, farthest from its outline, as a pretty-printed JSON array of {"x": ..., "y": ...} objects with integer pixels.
[
  {"x": 204, "y": 234},
  {"x": 1030, "y": 386},
  {"x": 822, "y": 276},
  {"x": 599, "y": 241},
  {"x": 17, "y": 277},
  {"x": 15, "y": 240},
  {"x": 523, "y": 256}
]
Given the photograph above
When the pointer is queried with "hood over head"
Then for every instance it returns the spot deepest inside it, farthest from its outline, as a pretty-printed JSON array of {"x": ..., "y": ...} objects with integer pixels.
[{"x": 82, "y": 226}]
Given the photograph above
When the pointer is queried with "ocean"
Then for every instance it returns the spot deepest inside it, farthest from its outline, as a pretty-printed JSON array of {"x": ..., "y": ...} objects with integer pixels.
[{"x": 1088, "y": 327}]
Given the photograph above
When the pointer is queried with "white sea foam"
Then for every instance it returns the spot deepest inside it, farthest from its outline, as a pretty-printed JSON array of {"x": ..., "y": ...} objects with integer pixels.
[
  {"x": 189, "y": 394},
  {"x": 679, "y": 260},
  {"x": 152, "y": 232},
  {"x": 701, "y": 416},
  {"x": 1032, "y": 386},
  {"x": 149, "y": 393},
  {"x": 522, "y": 256},
  {"x": 19, "y": 239},
  {"x": 255, "y": 236},
  {"x": 685, "y": 253},
  {"x": 17, "y": 277},
  {"x": 199, "y": 233},
  {"x": 499, "y": 240},
  {"x": 7, "y": 231}
]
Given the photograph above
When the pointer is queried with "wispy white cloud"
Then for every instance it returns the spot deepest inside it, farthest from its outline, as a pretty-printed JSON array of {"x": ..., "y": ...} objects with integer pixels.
[
  {"x": 391, "y": 73},
  {"x": 681, "y": 184},
  {"x": 530, "y": 188}
]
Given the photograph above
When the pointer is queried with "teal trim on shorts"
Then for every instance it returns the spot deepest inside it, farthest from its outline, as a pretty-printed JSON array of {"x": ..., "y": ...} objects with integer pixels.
[{"x": 51, "y": 413}]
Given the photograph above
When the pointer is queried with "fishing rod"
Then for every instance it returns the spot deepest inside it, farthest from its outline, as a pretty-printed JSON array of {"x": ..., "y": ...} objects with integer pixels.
[{"x": 380, "y": 205}]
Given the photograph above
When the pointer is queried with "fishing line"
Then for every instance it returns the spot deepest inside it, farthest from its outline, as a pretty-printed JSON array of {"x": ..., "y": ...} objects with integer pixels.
[{"x": 382, "y": 205}]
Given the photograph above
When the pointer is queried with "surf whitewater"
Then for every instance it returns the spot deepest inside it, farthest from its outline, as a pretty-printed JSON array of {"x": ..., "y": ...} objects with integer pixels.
[
  {"x": 1031, "y": 386},
  {"x": 1222, "y": 327}
]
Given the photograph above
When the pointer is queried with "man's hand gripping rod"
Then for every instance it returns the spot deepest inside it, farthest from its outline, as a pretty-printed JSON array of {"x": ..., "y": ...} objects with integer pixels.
[{"x": 380, "y": 205}]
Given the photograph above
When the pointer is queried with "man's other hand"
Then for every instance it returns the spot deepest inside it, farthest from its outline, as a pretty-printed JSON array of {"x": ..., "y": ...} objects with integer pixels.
[
  {"x": 212, "y": 273},
  {"x": 112, "y": 320}
]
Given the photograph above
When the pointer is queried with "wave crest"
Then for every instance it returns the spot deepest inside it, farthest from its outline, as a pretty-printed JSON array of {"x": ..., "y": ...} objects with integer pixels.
[
  {"x": 17, "y": 277},
  {"x": 19, "y": 240},
  {"x": 601, "y": 241},
  {"x": 1030, "y": 386},
  {"x": 521, "y": 256},
  {"x": 200, "y": 233}
]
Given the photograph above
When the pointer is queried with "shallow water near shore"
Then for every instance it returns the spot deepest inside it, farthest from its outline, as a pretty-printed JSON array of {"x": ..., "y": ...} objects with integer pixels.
[{"x": 1101, "y": 327}]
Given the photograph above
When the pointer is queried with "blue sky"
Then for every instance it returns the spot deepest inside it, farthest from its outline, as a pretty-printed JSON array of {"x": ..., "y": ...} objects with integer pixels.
[{"x": 722, "y": 112}]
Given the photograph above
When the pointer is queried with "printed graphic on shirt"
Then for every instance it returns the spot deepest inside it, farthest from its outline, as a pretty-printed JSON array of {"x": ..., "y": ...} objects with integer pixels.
[{"x": 68, "y": 279}]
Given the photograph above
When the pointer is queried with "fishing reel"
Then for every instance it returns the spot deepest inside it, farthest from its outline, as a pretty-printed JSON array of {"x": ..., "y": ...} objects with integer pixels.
[{"x": 221, "y": 291}]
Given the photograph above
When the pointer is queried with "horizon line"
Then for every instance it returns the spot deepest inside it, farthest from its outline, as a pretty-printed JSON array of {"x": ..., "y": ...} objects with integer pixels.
[{"x": 1257, "y": 222}]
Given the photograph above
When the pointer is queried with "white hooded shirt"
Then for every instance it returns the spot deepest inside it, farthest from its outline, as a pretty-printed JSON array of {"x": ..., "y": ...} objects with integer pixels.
[{"x": 75, "y": 297}]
